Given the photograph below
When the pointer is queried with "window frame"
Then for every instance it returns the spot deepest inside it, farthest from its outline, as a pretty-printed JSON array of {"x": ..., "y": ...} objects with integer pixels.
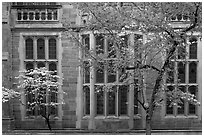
[
  {"x": 35, "y": 61},
  {"x": 187, "y": 84},
  {"x": 116, "y": 115}
]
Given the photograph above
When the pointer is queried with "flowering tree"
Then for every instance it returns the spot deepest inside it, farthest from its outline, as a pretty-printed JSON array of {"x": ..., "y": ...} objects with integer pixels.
[
  {"x": 40, "y": 86},
  {"x": 8, "y": 94},
  {"x": 115, "y": 20}
]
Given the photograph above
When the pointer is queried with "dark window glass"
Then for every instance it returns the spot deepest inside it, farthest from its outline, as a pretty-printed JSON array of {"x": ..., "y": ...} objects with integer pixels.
[
  {"x": 86, "y": 72},
  {"x": 19, "y": 16},
  {"x": 181, "y": 72},
  {"x": 112, "y": 101},
  {"x": 29, "y": 48},
  {"x": 55, "y": 15},
  {"x": 53, "y": 67},
  {"x": 100, "y": 100},
  {"x": 169, "y": 107},
  {"x": 100, "y": 73},
  {"x": 111, "y": 49},
  {"x": 170, "y": 73},
  {"x": 99, "y": 44},
  {"x": 29, "y": 65},
  {"x": 52, "y": 49},
  {"x": 181, "y": 104},
  {"x": 53, "y": 93},
  {"x": 192, "y": 108},
  {"x": 123, "y": 44},
  {"x": 192, "y": 72},
  {"x": 37, "y": 15},
  {"x": 30, "y": 97},
  {"x": 138, "y": 41},
  {"x": 122, "y": 75},
  {"x": 179, "y": 17},
  {"x": 25, "y": 15},
  {"x": 41, "y": 64},
  {"x": 41, "y": 49},
  {"x": 122, "y": 100},
  {"x": 193, "y": 51},
  {"x": 31, "y": 16},
  {"x": 49, "y": 15},
  {"x": 111, "y": 72},
  {"x": 43, "y": 16},
  {"x": 87, "y": 100},
  {"x": 85, "y": 42},
  {"x": 181, "y": 52}
]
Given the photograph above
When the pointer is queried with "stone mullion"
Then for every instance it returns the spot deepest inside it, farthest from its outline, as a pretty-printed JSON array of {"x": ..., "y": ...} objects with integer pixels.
[
  {"x": 199, "y": 76},
  {"x": 131, "y": 87},
  {"x": 92, "y": 84},
  {"x": 79, "y": 98},
  {"x": 187, "y": 77},
  {"x": 35, "y": 50},
  {"x": 106, "y": 76}
]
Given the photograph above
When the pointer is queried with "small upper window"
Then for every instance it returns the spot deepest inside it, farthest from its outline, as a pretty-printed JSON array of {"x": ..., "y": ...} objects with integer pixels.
[
  {"x": 41, "y": 48},
  {"x": 29, "y": 48}
]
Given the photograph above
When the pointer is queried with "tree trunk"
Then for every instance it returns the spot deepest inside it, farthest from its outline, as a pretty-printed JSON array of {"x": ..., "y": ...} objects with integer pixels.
[
  {"x": 148, "y": 125},
  {"x": 48, "y": 123}
]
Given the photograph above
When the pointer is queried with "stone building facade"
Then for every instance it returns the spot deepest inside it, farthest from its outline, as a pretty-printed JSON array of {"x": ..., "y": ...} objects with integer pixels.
[{"x": 32, "y": 36}]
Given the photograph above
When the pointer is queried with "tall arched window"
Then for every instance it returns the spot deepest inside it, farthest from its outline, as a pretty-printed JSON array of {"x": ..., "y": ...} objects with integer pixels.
[
  {"x": 29, "y": 48},
  {"x": 52, "y": 48},
  {"x": 41, "y": 48}
]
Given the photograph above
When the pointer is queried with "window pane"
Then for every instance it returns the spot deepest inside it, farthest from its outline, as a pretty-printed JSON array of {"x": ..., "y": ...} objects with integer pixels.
[
  {"x": 111, "y": 101},
  {"x": 29, "y": 48},
  {"x": 37, "y": 15},
  {"x": 181, "y": 105},
  {"x": 53, "y": 67},
  {"x": 123, "y": 45},
  {"x": 29, "y": 98},
  {"x": 123, "y": 100},
  {"x": 86, "y": 72},
  {"x": 55, "y": 15},
  {"x": 41, "y": 64},
  {"x": 86, "y": 90},
  {"x": 111, "y": 72},
  {"x": 42, "y": 15},
  {"x": 192, "y": 108},
  {"x": 100, "y": 100},
  {"x": 29, "y": 66},
  {"x": 25, "y": 15},
  {"x": 52, "y": 49},
  {"x": 111, "y": 49},
  {"x": 85, "y": 42},
  {"x": 49, "y": 15},
  {"x": 19, "y": 16},
  {"x": 169, "y": 109},
  {"x": 181, "y": 72},
  {"x": 100, "y": 73},
  {"x": 99, "y": 44},
  {"x": 138, "y": 41},
  {"x": 31, "y": 16},
  {"x": 193, "y": 48},
  {"x": 122, "y": 75},
  {"x": 181, "y": 52},
  {"x": 192, "y": 72},
  {"x": 41, "y": 49},
  {"x": 170, "y": 73},
  {"x": 193, "y": 51}
]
